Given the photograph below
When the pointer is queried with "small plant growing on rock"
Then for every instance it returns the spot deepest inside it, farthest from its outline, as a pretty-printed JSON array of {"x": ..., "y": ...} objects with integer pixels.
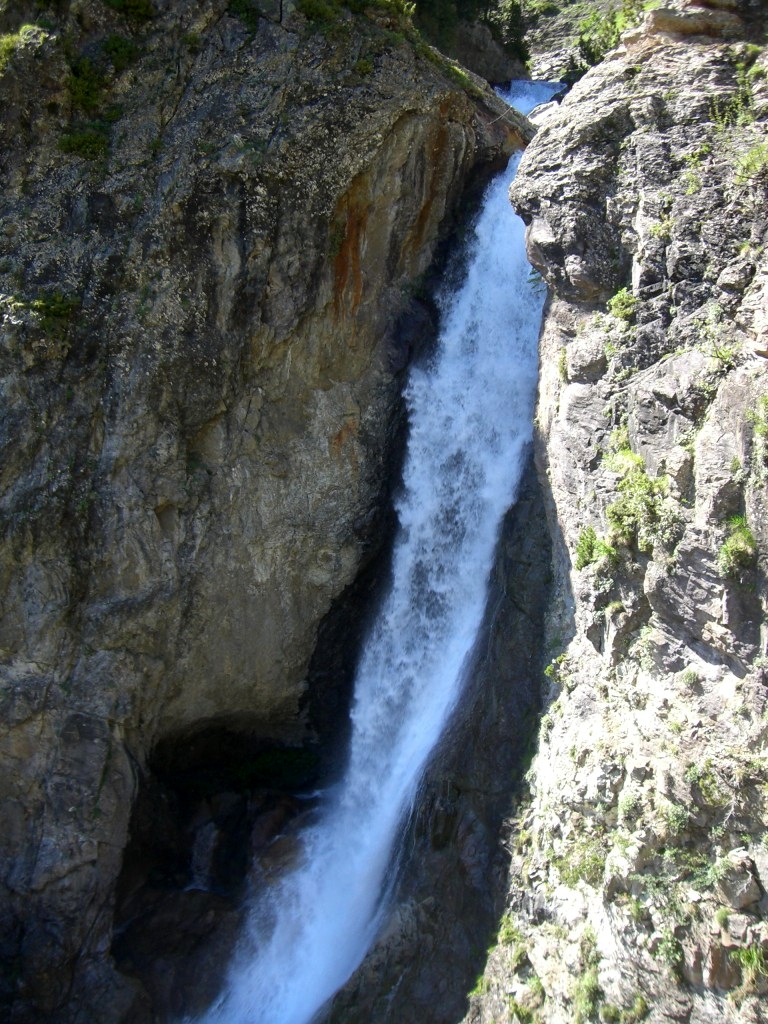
[
  {"x": 11, "y": 42},
  {"x": 758, "y": 417},
  {"x": 676, "y": 818},
  {"x": 86, "y": 85},
  {"x": 670, "y": 952},
  {"x": 753, "y": 164},
  {"x": 643, "y": 514},
  {"x": 584, "y": 862},
  {"x": 591, "y": 550},
  {"x": 662, "y": 229},
  {"x": 585, "y": 547},
  {"x": 629, "y": 806},
  {"x": 623, "y": 305},
  {"x": 638, "y": 1011},
  {"x": 751, "y": 960},
  {"x": 89, "y": 142},
  {"x": 738, "y": 550},
  {"x": 137, "y": 11},
  {"x": 121, "y": 51}
]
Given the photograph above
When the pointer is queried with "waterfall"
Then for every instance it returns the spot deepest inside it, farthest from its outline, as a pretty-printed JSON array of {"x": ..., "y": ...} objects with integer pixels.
[{"x": 470, "y": 414}]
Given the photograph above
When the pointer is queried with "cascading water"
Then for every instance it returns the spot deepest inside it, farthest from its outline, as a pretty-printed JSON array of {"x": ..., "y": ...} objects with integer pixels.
[{"x": 470, "y": 413}]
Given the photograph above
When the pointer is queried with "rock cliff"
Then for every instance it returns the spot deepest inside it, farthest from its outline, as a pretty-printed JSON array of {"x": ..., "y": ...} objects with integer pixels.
[
  {"x": 215, "y": 222},
  {"x": 639, "y": 856}
]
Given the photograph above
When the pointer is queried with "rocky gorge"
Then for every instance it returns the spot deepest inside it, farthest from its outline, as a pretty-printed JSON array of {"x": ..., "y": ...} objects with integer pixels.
[{"x": 220, "y": 223}]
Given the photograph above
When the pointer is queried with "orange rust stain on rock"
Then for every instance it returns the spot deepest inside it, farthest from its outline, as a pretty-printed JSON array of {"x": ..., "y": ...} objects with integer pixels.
[
  {"x": 438, "y": 155},
  {"x": 347, "y": 273},
  {"x": 339, "y": 439}
]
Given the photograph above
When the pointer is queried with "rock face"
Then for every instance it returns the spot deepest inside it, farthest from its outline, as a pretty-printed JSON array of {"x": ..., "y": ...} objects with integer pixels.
[
  {"x": 639, "y": 874},
  {"x": 213, "y": 229}
]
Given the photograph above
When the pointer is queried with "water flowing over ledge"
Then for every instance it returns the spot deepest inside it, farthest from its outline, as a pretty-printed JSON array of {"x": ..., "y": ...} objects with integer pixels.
[{"x": 470, "y": 414}]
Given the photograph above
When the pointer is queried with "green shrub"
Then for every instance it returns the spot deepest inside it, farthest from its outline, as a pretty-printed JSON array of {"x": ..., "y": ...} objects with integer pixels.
[
  {"x": 86, "y": 85},
  {"x": 509, "y": 933},
  {"x": 642, "y": 514},
  {"x": 758, "y": 417},
  {"x": 137, "y": 11},
  {"x": 623, "y": 305},
  {"x": 637, "y": 1012},
  {"x": 591, "y": 549},
  {"x": 11, "y": 42},
  {"x": 54, "y": 310},
  {"x": 193, "y": 41},
  {"x": 753, "y": 164},
  {"x": 247, "y": 11},
  {"x": 585, "y": 862},
  {"x": 587, "y": 995},
  {"x": 321, "y": 12},
  {"x": 738, "y": 550},
  {"x": 121, "y": 51},
  {"x": 702, "y": 774},
  {"x": 677, "y": 818},
  {"x": 670, "y": 952},
  {"x": 600, "y": 32},
  {"x": 751, "y": 960},
  {"x": 586, "y": 547},
  {"x": 739, "y": 109},
  {"x": 90, "y": 142}
]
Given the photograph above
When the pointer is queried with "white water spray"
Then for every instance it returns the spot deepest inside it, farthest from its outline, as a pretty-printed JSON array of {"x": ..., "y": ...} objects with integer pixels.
[{"x": 470, "y": 414}]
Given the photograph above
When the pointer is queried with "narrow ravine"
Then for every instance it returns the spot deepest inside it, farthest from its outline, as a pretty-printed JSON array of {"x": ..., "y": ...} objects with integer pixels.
[{"x": 470, "y": 413}]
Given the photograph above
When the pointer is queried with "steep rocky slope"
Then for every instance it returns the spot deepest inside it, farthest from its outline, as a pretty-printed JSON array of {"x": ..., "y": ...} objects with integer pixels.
[
  {"x": 215, "y": 220},
  {"x": 639, "y": 857}
]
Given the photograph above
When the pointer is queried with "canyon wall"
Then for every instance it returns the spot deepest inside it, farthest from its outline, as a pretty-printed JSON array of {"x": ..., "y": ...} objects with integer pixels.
[
  {"x": 216, "y": 222},
  {"x": 639, "y": 858}
]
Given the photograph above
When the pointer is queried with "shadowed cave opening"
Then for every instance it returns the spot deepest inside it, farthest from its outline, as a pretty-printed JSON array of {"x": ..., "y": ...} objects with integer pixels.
[{"x": 216, "y": 813}]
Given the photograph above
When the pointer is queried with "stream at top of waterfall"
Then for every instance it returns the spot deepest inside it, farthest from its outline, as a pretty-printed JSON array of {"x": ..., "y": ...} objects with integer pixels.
[{"x": 470, "y": 409}]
